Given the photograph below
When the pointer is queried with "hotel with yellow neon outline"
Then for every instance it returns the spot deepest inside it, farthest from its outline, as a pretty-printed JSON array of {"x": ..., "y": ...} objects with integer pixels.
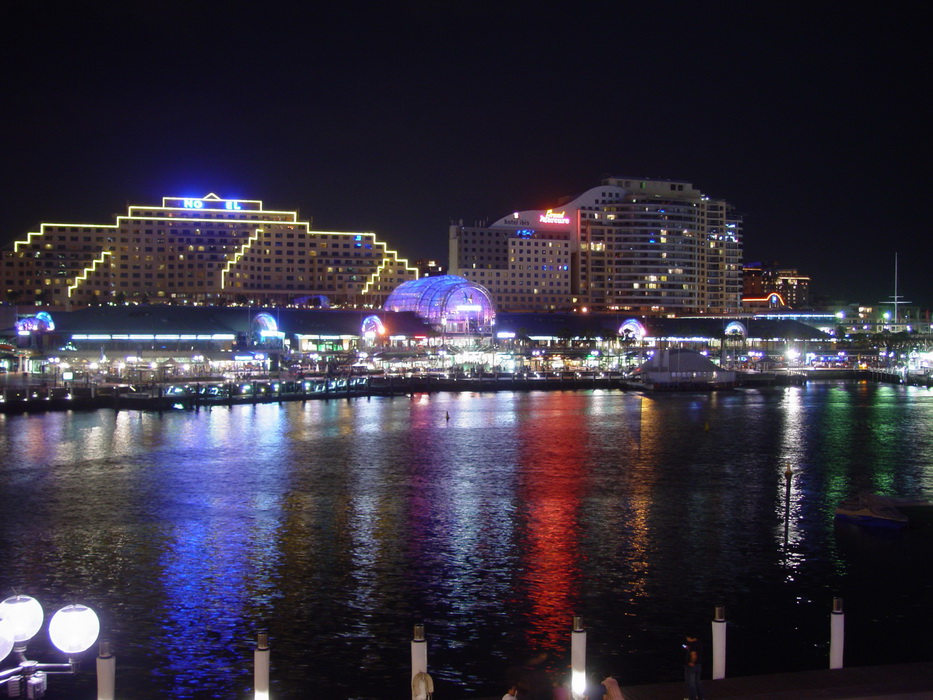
[{"x": 204, "y": 250}]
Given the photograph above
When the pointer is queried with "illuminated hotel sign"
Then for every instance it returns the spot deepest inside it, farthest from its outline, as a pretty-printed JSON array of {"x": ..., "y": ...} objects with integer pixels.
[
  {"x": 196, "y": 203},
  {"x": 199, "y": 204},
  {"x": 554, "y": 217}
]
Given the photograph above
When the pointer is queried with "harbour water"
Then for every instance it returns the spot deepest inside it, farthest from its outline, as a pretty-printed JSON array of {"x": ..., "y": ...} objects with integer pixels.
[{"x": 491, "y": 518}]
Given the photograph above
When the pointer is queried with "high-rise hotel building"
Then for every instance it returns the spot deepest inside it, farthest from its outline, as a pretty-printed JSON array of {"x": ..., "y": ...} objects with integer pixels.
[
  {"x": 207, "y": 250},
  {"x": 642, "y": 246}
]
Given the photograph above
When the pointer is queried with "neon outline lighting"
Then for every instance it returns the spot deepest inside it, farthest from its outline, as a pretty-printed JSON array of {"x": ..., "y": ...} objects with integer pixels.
[
  {"x": 770, "y": 299},
  {"x": 553, "y": 217},
  {"x": 88, "y": 270},
  {"x": 385, "y": 261},
  {"x": 236, "y": 257}
]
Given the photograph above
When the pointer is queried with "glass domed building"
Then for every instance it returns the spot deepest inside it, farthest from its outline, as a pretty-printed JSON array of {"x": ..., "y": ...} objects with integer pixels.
[{"x": 450, "y": 303}]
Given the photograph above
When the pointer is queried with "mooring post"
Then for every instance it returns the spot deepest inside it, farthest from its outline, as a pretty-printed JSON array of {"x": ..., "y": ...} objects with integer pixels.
[
  {"x": 837, "y": 624},
  {"x": 719, "y": 643}
]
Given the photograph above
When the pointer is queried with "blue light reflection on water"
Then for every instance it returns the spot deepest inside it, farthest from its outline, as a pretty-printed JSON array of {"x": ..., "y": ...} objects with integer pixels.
[{"x": 339, "y": 524}]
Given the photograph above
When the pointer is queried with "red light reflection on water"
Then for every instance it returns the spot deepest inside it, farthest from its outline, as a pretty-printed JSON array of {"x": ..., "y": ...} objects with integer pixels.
[{"x": 551, "y": 485}]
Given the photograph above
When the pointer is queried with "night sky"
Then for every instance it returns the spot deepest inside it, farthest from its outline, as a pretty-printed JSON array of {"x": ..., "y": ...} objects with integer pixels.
[{"x": 400, "y": 117}]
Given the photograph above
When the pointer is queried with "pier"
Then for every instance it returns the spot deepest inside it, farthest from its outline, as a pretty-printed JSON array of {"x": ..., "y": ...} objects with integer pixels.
[{"x": 22, "y": 395}]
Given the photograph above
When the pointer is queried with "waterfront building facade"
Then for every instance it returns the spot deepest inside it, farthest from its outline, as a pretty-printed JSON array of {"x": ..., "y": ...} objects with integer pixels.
[
  {"x": 202, "y": 251},
  {"x": 524, "y": 268},
  {"x": 640, "y": 246},
  {"x": 763, "y": 279},
  {"x": 429, "y": 267}
]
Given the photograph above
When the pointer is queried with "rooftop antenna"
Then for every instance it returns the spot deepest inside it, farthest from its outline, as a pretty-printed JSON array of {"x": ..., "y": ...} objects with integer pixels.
[{"x": 896, "y": 299}]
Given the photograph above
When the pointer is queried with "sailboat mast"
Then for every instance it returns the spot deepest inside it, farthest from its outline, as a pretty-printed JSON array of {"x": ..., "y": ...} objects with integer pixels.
[{"x": 896, "y": 298}]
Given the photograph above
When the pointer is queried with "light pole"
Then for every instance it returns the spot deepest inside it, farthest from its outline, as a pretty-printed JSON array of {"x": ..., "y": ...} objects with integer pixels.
[{"x": 73, "y": 629}]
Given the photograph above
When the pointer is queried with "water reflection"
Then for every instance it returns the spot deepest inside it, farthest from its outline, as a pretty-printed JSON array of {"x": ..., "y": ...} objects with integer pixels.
[
  {"x": 551, "y": 482},
  {"x": 491, "y": 518}
]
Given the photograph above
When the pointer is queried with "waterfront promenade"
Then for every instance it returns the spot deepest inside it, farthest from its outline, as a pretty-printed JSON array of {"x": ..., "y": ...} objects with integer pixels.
[
  {"x": 24, "y": 394},
  {"x": 20, "y": 393},
  {"x": 913, "y": 681},
  {"x": 891, "y": 682}
]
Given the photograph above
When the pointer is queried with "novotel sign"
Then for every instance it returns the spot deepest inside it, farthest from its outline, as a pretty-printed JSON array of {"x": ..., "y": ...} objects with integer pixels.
[
  {"x": 199, "y": 204},
  {"x": 211, "y": 203}
]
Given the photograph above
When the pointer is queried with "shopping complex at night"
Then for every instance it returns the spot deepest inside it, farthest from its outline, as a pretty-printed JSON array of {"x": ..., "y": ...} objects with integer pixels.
[
  {"x": 211, "y": 286},
  {"x": 437, "y": 323}
]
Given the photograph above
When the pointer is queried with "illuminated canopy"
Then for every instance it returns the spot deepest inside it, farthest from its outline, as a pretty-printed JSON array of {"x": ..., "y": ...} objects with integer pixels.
[
  {"x": 42, "y": 323},
  {"x": 446, "y": 300},
  {"x": 265, "y": 322},
  {"x": 372, "y": 327},
  {"x": 736, "y": 328},
  {"x": 633, "y": 329}
]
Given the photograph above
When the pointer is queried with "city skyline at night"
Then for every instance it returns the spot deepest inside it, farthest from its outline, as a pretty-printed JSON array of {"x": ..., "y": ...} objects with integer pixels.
[{"x": 401, "y": 118}]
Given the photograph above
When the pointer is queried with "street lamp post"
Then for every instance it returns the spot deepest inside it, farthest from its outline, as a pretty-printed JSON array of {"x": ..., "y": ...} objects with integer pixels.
[{"x": 73, "y": 630}]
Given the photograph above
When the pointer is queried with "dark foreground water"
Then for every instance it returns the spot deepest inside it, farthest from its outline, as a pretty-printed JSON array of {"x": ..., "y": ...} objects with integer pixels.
[{"x": 338, "y": 525}]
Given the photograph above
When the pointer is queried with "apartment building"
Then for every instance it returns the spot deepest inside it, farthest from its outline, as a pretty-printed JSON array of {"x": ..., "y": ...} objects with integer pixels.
[{"x": 638, "y": 246}]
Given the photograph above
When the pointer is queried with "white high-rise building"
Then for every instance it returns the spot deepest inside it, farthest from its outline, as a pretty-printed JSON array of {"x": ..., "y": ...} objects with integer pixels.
[{"x": 643, "y": 246}]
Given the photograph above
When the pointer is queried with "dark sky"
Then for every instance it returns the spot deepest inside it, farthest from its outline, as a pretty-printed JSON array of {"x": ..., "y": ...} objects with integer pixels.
[{"x": 398, "y": 117}]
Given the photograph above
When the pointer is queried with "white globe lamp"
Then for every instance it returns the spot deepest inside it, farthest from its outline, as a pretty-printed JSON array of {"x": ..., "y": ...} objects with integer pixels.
[
  {"x": 74, "y": 629},
  {"x": 6, "y": 639},
  {"x": 24, "y": 615}
]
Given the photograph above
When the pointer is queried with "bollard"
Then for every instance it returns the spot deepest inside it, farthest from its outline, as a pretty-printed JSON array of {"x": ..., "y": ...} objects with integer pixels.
[
  {"x": 106, "y": 672},
  {"x": 719, "y": 643},
  {"x": 261, "y": 666},
  {"x": 422, "y": 685},
  {"x": 837, "y": 624},
  {"x": 578, "y": 659}
]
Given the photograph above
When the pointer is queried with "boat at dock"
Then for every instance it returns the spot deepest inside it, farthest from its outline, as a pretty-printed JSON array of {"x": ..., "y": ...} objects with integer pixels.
[{"x": 888, "y": 512}]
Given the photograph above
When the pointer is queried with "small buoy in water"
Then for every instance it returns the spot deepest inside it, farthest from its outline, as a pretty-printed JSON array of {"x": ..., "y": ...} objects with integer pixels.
[
  {"x": 448, "y": 414},
  {"x": 707, "y": 426}
]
